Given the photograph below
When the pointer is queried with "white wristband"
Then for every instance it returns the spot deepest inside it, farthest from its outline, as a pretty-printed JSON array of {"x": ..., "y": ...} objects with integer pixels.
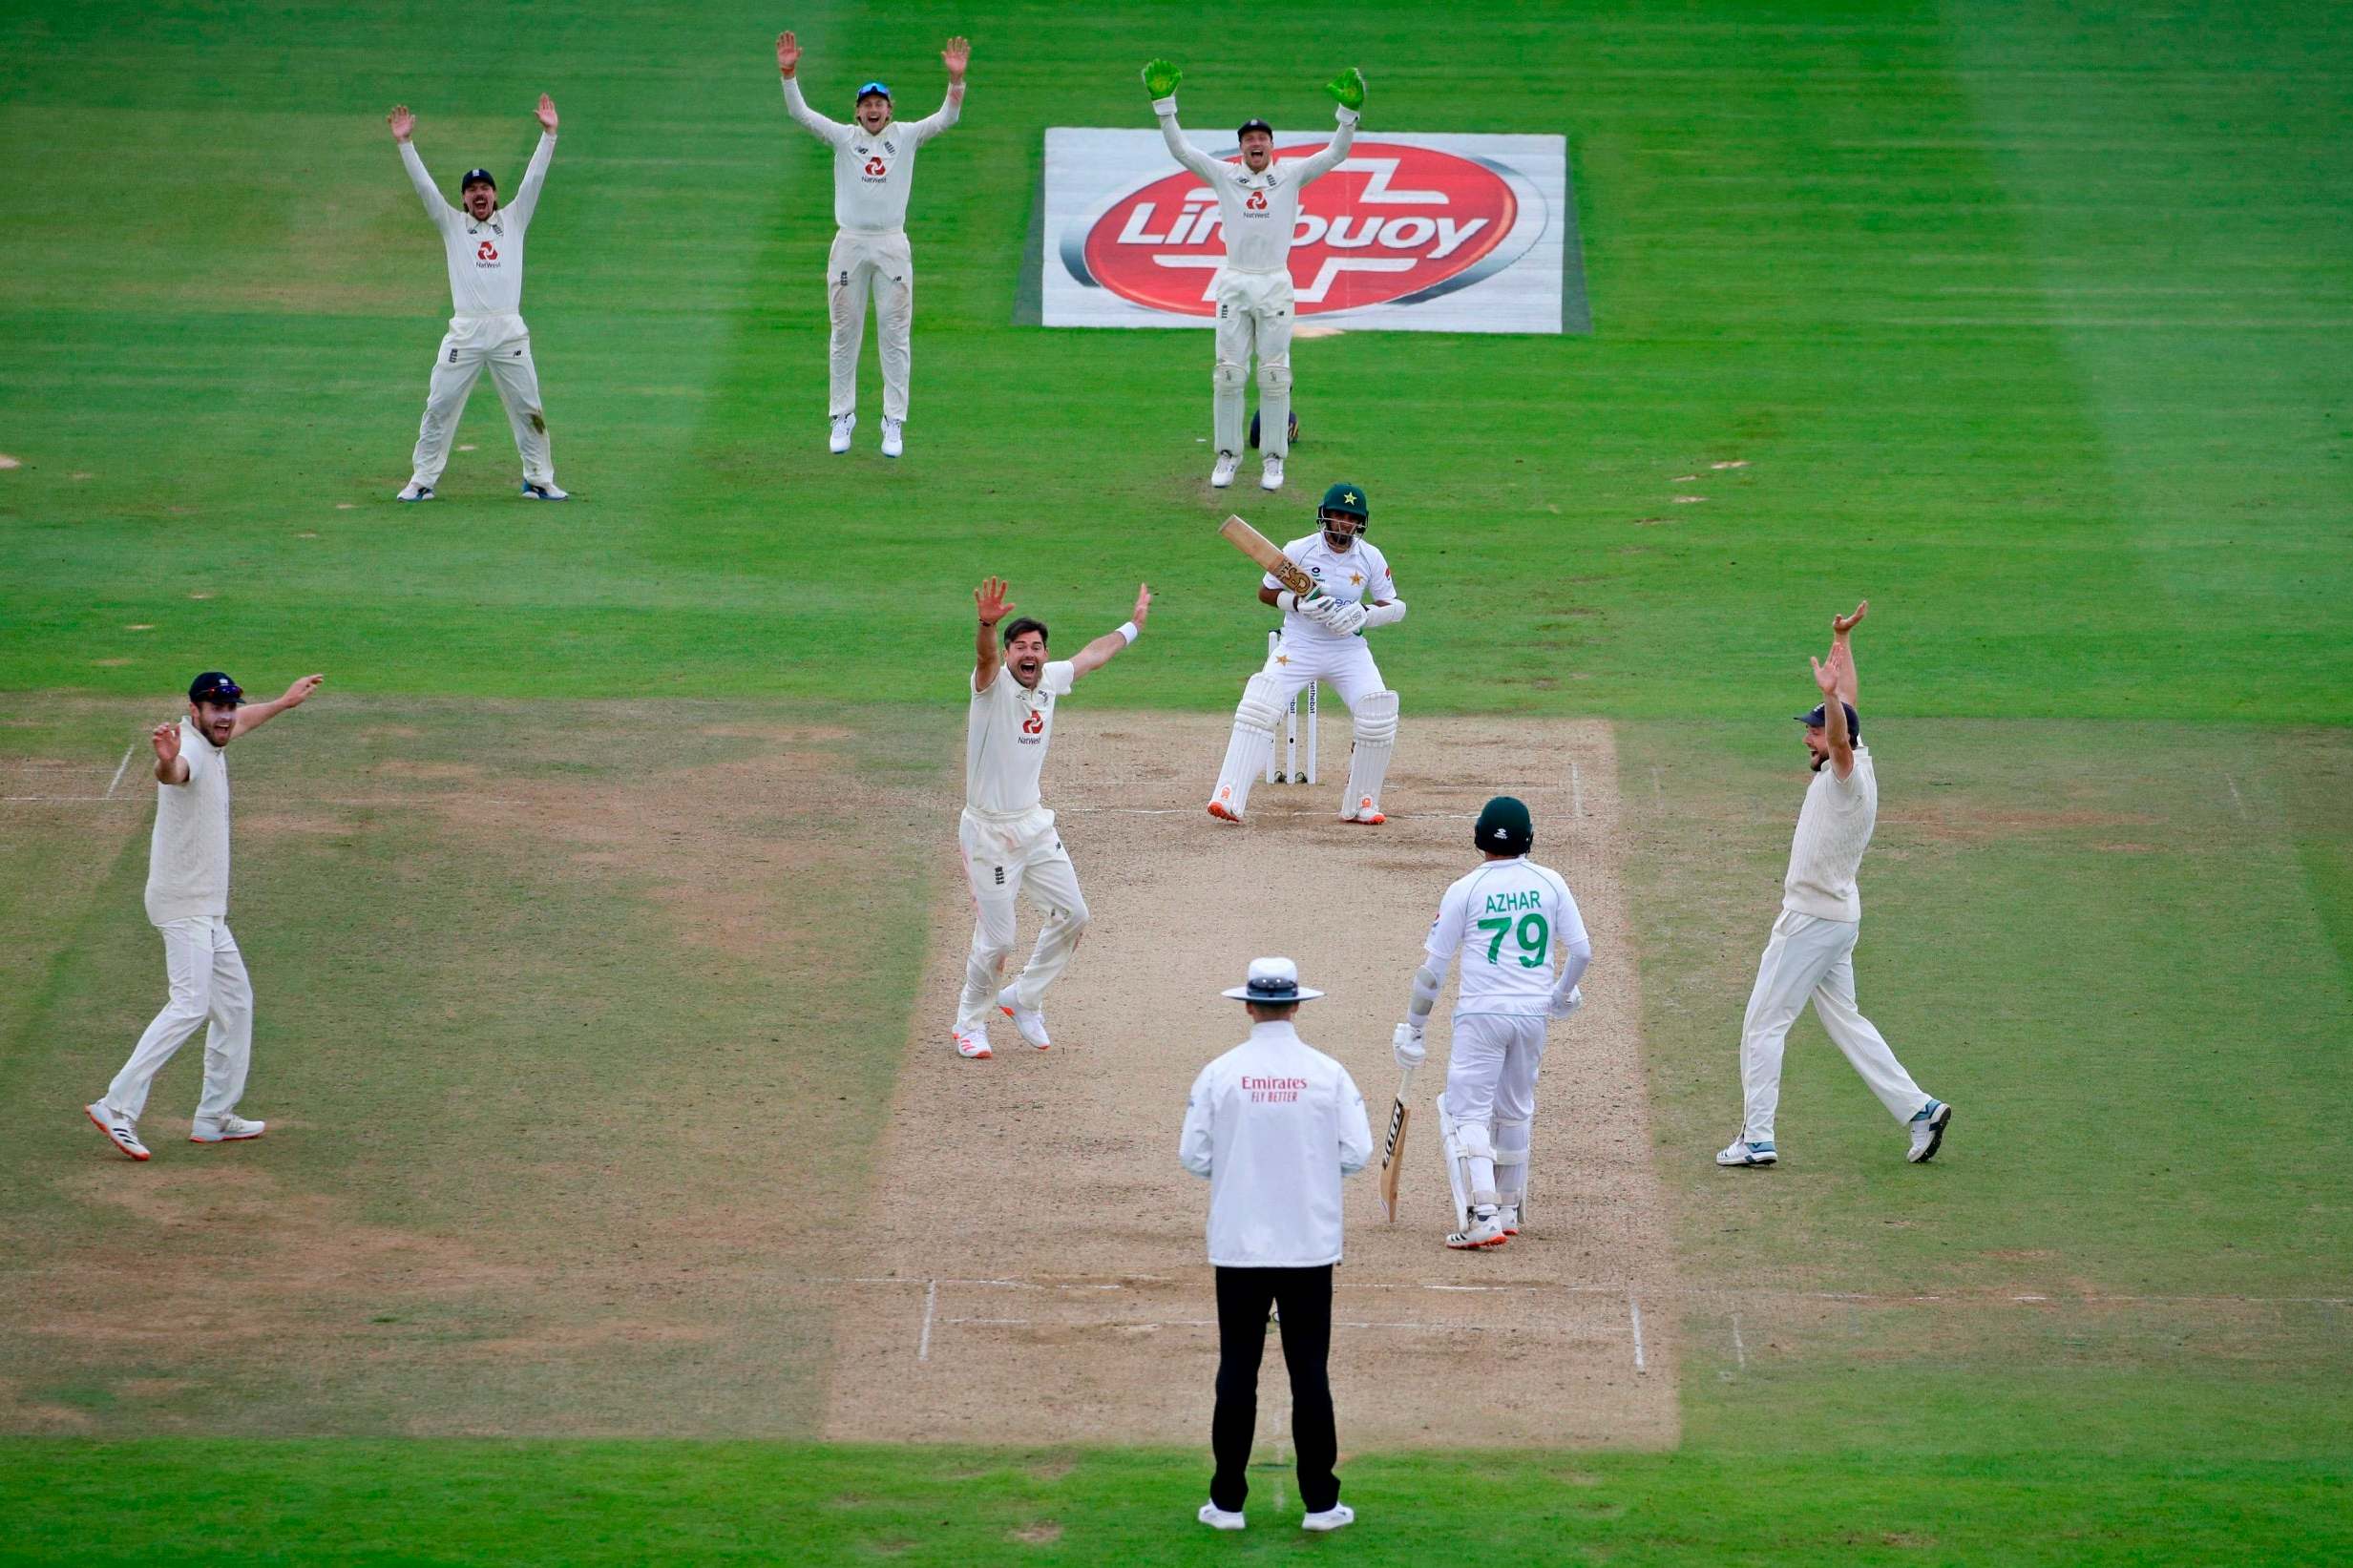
[{"x": 1129, "y": 630}]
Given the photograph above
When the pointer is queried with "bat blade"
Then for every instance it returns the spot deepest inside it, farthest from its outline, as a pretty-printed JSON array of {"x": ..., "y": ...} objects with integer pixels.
[
  {"x": 1262, "y": 550},
  {"x": 1391, "y": 1166}
]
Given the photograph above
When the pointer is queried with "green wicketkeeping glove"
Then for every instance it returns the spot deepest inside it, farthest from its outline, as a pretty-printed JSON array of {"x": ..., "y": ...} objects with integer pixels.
[
  {"x": 1347, "y": 89},
  {"x": 1160, "y": 78}
]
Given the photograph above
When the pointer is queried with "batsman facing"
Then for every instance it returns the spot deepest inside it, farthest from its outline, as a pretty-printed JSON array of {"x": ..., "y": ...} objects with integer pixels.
[
  {"x": 1347, "y": 591},
  {"x": 1508, "y": 920}
]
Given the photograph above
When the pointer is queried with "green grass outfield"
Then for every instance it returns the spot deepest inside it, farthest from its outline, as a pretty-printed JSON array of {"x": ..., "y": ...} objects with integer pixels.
[{"x": 2033, "y": 323}]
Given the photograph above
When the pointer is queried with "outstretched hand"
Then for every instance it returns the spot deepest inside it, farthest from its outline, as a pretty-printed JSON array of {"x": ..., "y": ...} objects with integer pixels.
[
  {"x": 546, "y": 113},
  {"x": 166, "y": 741},
  {"x": 991, "y": 598},
  {"x": 955, "y": 57},
  {"x": 301, "y": 689},
  {"x": 1161, "y": 77},
  {"x": 1840, "y": 625},
  {"x": 1826, "y": 676},
  {"x": 788, "y": 53},
  {"x": 1144, "y": 603},
  {"x": 1347, "y": 89},
  {"x": 403, "y": 124}
]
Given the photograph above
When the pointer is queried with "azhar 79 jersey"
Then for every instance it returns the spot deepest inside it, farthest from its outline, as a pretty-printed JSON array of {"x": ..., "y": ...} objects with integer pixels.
[
  {"x": 1358, "y": 576},
  {"x": 1508, "y": 920}
]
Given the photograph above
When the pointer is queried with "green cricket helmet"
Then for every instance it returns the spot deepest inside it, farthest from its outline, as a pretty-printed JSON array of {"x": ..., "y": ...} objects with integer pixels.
[{"x": 1343, "y": 511}]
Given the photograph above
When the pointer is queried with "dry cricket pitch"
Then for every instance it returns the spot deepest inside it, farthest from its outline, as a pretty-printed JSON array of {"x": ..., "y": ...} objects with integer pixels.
[{"x": 1033, "y": 1265}]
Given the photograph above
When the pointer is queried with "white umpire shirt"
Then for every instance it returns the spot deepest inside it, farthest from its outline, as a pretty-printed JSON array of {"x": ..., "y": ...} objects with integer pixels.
[{"x": 1274, "y": 1124}]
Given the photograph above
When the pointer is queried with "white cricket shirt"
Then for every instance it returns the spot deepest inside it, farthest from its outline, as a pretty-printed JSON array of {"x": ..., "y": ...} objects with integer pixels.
[
  {"x": 872, "y": 174},
  {"x": 1510, "y": 920},
  {"x": 1833, "y": 829},
  {"x": 188, "y": 859},
  {"x": 486, "y": 257},
  {"x": 1274, "y": 1124},
  {"x": 1357, "y": 575},
  {"x": 1259, "y": 211},
  {"x": 1006, "y": 731}
]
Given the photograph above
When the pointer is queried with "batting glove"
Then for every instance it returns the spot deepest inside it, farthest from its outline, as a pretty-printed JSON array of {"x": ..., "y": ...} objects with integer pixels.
[
  {"x": 1345, "y": 618},
  {"x": 1347, "y": 89},
  {"x": 1408, "y": 1045},
  {"x": 1563, "y": 1006},
  {"x": 1161, "y": 77}
]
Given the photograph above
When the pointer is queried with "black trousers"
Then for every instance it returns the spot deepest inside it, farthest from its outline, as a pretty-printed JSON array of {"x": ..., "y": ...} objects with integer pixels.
[{"x": 1305, "y": 1297}]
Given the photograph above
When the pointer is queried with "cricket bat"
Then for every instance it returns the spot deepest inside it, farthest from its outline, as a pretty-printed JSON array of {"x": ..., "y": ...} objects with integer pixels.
[
  {"x": 1390, "y": 1164},
  {"x": 1267, "y": 555}
]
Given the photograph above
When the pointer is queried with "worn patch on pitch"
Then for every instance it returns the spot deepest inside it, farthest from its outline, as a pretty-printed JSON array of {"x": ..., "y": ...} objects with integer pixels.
[{"x": 1031, "y": 1262}]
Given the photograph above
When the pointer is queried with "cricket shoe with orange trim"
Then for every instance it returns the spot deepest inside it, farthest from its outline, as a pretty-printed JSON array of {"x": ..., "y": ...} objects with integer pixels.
[
  {"x": 972, "y": 1044},
  {"x": 1223, "y": 812},
  {"x": 1508, "y": 1216},
  {"x": 229, "y": 1129},
  {"x": 1031, "y": 1021},
  {"x": 119, "y": 1130},
  {"x": 1365, "y": 812},
  {"x": 1487, "y": 1229}
]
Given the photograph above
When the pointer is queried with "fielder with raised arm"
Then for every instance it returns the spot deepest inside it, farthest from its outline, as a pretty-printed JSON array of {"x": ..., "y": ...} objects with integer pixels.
[
  {"x": 1008, "y": 837},
  {"x": 484, "y": 246},
  {"x": 1322, "y": 640},
  {"x": 873, "y": 169},
  {"x": 188, "y": 902},
  {"x": 1508, "y": 920},
  {"x": 1810, "y": 955},
  {"x": 1258, "y": 205}
]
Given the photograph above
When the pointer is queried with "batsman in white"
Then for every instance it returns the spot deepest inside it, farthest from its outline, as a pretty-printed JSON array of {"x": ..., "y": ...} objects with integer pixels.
[
  {"x": 1809, "y": 954},
  {"x": 484, "y": 246},
  {"x": 1322, "y": 640},
  {"x": 873, "y": 169},
  {"x": 1508, "y": 920},
  {"x": 1258, "y": 206},
  {"x": 188, "y": 901},
  {"x": 1007, "y": 835}
]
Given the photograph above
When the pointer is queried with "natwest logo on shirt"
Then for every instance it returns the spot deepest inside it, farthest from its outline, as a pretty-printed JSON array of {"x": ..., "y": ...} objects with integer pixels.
[
  {"x": 1391, "y": 223},
  {"x": 875, "y": 168},
  {"x": 486, "y": 252},
  {"x": 1034, "y": 725}
]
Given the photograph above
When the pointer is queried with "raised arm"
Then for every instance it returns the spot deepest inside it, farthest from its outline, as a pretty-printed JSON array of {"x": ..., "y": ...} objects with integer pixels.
[
  {"x": 1347, "y": 90},
  {"x": 404, "y": 125},
  {"x": 955, "y": 57},
  {"x": 527, "y": 194},
  {"x": 171, "y": 767},
  {"x": 788, "y": 66},
  {"x": 1843, "y": 652},
  {"x": 987, "y": 658},
  {"x": 1834, "y": 718},
  {"x": 254, "y": 715},
  {"x": 1160, "y": 79},
  {"x": 1100, "y": 652}
]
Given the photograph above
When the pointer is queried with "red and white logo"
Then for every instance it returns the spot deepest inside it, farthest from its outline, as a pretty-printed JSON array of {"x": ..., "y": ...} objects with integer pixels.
[
  {"x": 1035, "y": 724},
  {"x": 875, "y": 168},
  {"x": 1393, "y": 223},
  {"x": 487, "y": 253}
]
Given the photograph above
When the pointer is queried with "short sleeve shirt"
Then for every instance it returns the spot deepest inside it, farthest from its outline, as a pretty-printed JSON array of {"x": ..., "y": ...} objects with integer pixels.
[
  {"x": 1508, "y": 920},
  {"x": 1006, "y": 731}
]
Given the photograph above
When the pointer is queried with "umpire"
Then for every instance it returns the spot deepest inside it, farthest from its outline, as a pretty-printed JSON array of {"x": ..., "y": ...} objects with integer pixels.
[{"x": 1274, "y": 1124}]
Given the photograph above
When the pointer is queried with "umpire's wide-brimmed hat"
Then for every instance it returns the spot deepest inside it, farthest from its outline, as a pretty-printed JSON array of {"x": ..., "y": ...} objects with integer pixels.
[{"x": 1273, "y": 981}]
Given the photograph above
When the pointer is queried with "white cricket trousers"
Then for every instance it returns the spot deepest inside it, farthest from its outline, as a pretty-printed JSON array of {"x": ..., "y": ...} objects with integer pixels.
[
  {"x": 883, "y": 265},
  {"x": 1810, "y": 957},
  {"x": 1491, "y": 1069},
  {"x": 208, "y": 982},
  {"x": 455, "y": 368},
  {"x": 1254, "y": 313},
  {"x": 1003, "y": 860}
]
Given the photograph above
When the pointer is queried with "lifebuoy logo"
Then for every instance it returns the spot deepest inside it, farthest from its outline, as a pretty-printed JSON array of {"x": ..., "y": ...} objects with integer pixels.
[{"x": 1393, "y": 223}]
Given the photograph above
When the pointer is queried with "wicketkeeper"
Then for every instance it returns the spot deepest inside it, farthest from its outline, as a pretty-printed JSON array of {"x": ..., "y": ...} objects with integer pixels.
[{"x": 1258, "y": 205}]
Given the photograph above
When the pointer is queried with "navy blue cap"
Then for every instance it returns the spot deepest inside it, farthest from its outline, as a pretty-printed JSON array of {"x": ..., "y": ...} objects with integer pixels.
[
  {"x": 1821, "y": 717},
  {"x": 1250, "y": 125},
  {"x": 477, "y": 176},
  {"x": 212, "y": 686},
  {"x": 875, "y": 87}
]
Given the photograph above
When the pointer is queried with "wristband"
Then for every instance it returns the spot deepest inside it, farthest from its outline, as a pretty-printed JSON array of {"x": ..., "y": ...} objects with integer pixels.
[
  {"x": 1129, "y": 630},
  {"x": 1287, "y": 600}
]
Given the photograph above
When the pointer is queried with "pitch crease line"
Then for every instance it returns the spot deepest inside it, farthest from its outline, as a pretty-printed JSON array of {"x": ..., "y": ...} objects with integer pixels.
[
  {"x": 119, "y": 769},
  {"x": 1633, "y": 1310},
  {"x": 931, "y": 1304}
]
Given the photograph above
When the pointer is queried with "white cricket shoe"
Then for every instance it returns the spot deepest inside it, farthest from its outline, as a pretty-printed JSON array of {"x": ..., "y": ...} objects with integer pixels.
[
  {"x": 1929, "y": 1131},
  {"x": 1338, "y": 1516},
  {"x": 119, "y": 1130},
  {"x": 229, "y": 1129},
  {"x": 1741, "y": 1151},
  {"x": 972, "y": 1044},
  {"x": 544, "y": 492},
  {"x": 414, "y": 491},
  {"x": 1271, "y": 474},
  {"x": 1217, "y": 1518},
  {"x": 839, "y": 440},
  {"x": 1508, "y": 1218},
  {"x": 893, "y": 437},
  {"x": 1221, "y": 474},
  {"x": 1487, "y": 1229},
  {"x": 1031, "y": 1021}
]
